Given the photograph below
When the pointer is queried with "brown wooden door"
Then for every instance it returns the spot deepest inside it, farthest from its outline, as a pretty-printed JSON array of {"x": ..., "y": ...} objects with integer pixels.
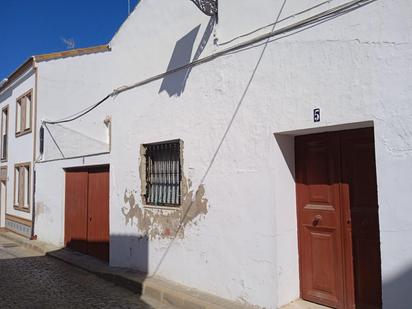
[
  {"x": 98, "y": 214},
  {"x": 319, "y": 217},
  {"x": 338, "y": 219},
  {"x": 87, "y": 211},
  {"x": 76, "y": 210},
  {"x": 359, "y": 181}
]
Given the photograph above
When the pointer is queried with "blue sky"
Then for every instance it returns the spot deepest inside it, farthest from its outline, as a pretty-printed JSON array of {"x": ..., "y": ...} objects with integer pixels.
[{"x": 30, "y": 27}]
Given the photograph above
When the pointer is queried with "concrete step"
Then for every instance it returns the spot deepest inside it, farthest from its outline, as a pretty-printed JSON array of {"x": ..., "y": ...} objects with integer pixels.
[
  {"x": 163, "y": 291},
  {"x": 38, "y": 246}
]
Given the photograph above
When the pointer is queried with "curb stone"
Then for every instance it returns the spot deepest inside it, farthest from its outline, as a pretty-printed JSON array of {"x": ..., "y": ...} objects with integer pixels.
[{"x": 163, "y": 291}]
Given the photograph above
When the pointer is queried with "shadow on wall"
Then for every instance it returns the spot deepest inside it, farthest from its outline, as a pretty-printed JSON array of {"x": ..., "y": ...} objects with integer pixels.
[
  {"x": 126, "y": 250},
  {"x": 397, "y": 292},
  {"x": 132, "y": 251},
  {"x": 286, "y": 144},
  {"x": 174, "y": 84}
]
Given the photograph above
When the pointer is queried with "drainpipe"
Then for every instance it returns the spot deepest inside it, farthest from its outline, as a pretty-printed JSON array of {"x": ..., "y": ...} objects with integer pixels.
[{"x": 33, "y": 219}]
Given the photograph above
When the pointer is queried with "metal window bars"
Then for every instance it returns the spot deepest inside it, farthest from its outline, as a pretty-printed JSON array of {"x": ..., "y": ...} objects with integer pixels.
[
  {"x": 163, "y": 173},
  {"x": 208, "y": 7}
]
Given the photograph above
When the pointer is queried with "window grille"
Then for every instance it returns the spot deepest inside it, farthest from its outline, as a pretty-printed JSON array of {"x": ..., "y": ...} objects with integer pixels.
[
  {"x": 208, "y": 7},
  {"x": 163, "y": 173}
]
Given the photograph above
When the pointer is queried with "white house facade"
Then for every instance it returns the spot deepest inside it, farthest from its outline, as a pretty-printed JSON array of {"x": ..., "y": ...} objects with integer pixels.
[
  {"x": 261, "y": 156},
  {"x": 18, "y": 105}
]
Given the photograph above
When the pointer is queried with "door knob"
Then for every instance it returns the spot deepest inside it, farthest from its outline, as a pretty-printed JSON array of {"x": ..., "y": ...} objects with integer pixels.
[{"x": 316, "y": 220}]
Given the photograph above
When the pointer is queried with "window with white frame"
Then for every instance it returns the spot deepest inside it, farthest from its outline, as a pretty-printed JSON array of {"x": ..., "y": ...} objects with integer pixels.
[
  {"x": 4, "y": 132},
  {"x": 23, "y": 114},
  {"x": 22, "y": 186},
  {"x": 163, "y": 173}
]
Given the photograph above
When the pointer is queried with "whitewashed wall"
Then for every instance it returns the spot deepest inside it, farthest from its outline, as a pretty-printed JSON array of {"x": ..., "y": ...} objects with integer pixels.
[
  {"x": 65, "y": 87},
  {"x": 20, "y": 149},
  {"x": 237, "y": 129},
  {"x": 49, "y": 215}
]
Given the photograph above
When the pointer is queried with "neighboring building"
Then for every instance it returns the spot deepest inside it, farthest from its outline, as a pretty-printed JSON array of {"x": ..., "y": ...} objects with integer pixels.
[
  {"x": 18, "y": 106},
  {"x": 19, "y": 139},
  {"x": 255, "y": 175}
]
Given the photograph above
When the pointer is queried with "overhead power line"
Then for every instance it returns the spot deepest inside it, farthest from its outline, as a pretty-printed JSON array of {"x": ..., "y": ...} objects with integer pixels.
[
  {"x": 274, "y": 23},
  {"x": 308, "y": 22}
]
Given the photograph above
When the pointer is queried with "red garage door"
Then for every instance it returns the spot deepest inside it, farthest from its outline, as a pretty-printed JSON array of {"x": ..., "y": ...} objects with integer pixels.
[{"x": 87, "y": 211}]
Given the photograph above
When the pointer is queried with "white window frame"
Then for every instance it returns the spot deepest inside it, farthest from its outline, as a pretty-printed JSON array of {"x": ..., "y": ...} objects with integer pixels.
[
  {"x": 22, "y": 186},
  {"x": 24, "y": 112}
]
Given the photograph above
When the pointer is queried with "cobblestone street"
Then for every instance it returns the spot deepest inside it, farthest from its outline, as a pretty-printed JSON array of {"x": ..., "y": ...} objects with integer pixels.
[{"x": 29, "y": 280}]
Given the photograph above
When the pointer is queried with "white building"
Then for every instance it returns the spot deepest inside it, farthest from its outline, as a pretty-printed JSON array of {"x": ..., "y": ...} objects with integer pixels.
[
  {"x": 18, "y": 106},
  {"x": 19, "y": 139},
  {"x": 271, "y": 170}
]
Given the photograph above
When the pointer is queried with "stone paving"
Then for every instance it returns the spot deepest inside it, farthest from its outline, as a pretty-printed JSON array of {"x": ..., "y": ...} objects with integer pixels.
[{"x": 31, "y": 280}]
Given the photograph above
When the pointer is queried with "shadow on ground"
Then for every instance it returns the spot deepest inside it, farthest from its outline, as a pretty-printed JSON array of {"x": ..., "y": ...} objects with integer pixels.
[{"x": 44, "y": 282}]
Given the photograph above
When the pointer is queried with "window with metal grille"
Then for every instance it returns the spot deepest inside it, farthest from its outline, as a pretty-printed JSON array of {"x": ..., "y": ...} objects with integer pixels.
[{"x": 163, "y": 173}]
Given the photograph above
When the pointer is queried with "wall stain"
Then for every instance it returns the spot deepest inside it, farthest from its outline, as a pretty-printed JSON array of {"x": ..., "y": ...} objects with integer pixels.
[
  {"x": 160, "y": 223},
  {"x": 41, "y": 209}
]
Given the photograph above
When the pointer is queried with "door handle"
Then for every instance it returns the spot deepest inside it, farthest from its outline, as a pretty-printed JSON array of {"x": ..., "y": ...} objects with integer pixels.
[{"x": 316, "y": 220}]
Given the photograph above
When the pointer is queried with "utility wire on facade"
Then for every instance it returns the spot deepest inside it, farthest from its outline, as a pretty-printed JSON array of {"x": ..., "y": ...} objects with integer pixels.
[
  {"x": 308, "y": 22},
  {"x": 274, "y": 23}
]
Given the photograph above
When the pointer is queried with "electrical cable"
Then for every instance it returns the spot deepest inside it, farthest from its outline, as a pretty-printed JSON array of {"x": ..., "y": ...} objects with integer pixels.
[
  {"x": 239, "y": 46},
  {"x": 78, "y": 115},
  {"x": 274, "y": 23},
  {"x": 317, "y": 18}
]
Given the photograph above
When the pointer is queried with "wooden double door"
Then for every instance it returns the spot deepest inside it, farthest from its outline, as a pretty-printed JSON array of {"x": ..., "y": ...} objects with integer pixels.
[
  {"x": 338, "y": 226},
  {"x": 87, "y": 211}
]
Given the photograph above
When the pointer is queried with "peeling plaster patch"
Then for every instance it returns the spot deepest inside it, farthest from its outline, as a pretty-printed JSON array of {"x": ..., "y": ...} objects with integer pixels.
[
  {"x": 397, "y": 136},
  {"x": 166, "y": 223},
  {"x": 43, "y": 212},
  {"x": 41, "y": 208}
]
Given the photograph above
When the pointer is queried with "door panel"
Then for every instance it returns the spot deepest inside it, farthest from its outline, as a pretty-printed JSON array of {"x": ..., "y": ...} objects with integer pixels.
[
  {"x": 321, "y": 243},
  {"x": 359, "y": 173},
  {"x": 76, "y": 211},
  {"x": 98, "y": 215},
  {"x": 320, "y": 239}
]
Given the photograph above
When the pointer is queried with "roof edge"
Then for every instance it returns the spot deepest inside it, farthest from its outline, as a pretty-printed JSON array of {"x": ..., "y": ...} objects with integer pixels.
[
  {"x": 28, "y": 64},
  {"x": 72, "y": 53}
]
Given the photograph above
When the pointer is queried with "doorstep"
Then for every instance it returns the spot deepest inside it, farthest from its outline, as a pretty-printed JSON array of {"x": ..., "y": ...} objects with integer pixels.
[
  {"x": 35, "y": 245},
  {"x": 159, "y": 289},
  {"x": 303, "y": 304}
]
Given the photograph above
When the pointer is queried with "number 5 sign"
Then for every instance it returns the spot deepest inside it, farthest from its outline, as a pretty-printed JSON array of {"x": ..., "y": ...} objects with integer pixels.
[{"x": 316, "y": 115}]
